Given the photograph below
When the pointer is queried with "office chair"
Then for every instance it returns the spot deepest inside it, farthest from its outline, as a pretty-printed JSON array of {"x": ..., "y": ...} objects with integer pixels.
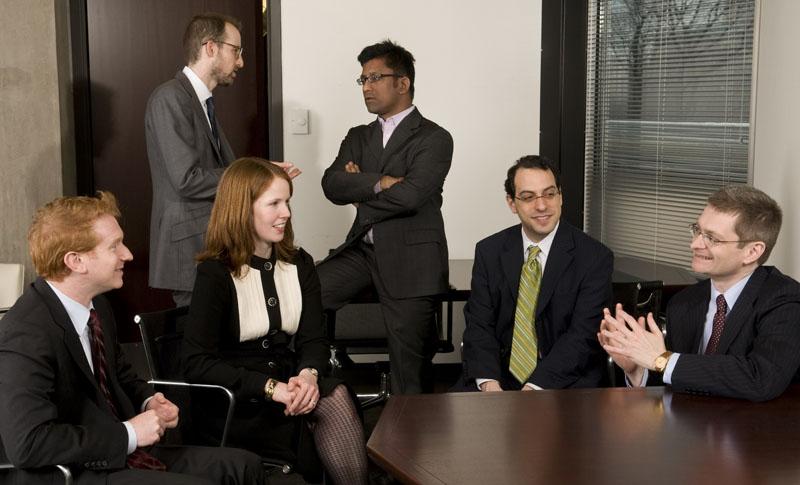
[
  {"x": 12, "y": 279},
  {"x": 638, "y": 298},
  {"x": 162, "y": 335},
  {"x": 358, "y": 328},
  {"x": 49, "y": 473}
]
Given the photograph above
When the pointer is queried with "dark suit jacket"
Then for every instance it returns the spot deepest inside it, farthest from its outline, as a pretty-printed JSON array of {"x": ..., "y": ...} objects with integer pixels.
[
  {"x": 408, "y": 230},
  {"x": 51, "y": 409},
  {"x": 185, "y": 168},
  {"x": 758, "y": 355},
  {"x": 576, "y": 285}
]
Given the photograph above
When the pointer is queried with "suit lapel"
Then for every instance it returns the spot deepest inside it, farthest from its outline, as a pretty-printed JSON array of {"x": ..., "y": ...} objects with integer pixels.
[
  {"x": 375, "y": 147},
  {"x": 740, "y": 314},
  {"x": 558, "y": 260},
  {"x": 61, "y": 318},
  {"x": 511, "y": 258},
  {"x": 401, "y": 134},
  {"x": 691, "y": 320},
  {"x": 200, "y": 116}
]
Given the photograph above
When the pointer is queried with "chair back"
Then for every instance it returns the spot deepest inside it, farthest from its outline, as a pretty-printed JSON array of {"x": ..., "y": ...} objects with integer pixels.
[
  {"x": 638, "y": 298},
  {"x": 12, "y": 279},
  {"x": 162, "y": 334}
]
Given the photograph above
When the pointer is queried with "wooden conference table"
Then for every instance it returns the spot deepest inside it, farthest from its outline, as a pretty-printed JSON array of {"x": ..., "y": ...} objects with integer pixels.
[{"x": 592, "y": 436}]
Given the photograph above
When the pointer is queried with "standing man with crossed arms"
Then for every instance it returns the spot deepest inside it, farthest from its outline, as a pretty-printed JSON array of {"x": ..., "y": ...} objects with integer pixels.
[{"x": 393, "y": 171}]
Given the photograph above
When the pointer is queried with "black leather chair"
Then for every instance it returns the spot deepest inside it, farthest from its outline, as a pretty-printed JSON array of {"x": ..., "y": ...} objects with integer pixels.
[
  {"x": 357, "y": 328},
  {"x": 162, "y": 335},
  {"x": 638, "y": 298}
]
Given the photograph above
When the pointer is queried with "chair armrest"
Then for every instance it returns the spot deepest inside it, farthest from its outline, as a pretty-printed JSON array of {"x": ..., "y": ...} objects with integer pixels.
[
  {"x": 223, "y": 389},
  {"x": 65, "y": 471}
]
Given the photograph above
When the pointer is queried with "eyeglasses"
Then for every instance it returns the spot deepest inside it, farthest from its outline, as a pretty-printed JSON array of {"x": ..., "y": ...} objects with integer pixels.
[
  {"x": 548, "y": 195},
  {"x": 237, "y": 49},
  {"x": 373, "y": 78},
  {"x": 710, "y": 240}
]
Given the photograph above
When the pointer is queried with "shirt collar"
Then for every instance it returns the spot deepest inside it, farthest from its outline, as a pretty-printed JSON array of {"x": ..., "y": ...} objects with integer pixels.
[
  {"x": 396, "y": 119},
  {"x": 544, "y": 245},
  {"x": 200, "y": 88},
  {"x": 733, "y": 292},
  {"x": 78, "y": 314}
]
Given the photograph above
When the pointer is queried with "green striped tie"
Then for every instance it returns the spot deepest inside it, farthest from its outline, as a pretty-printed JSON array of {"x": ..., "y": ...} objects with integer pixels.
[{"x": 524, "y": 348}]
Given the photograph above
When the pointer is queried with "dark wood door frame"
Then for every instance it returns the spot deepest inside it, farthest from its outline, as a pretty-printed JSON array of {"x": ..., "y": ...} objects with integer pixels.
[{"x": 563, "y": 97}]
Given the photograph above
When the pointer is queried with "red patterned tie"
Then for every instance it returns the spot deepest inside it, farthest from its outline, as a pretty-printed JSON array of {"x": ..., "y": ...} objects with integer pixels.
[
  {"x": 719, "y": 323},
  {"x": 139, "y": 458}
]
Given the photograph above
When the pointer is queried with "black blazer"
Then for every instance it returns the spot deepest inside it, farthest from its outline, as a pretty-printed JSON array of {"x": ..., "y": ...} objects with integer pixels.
[
  {"x": 51, "y": 409},
  {"x": 575, "y": 287},
  {"x": 408, "y": 230},
  {"x": 758, "y": 355}
]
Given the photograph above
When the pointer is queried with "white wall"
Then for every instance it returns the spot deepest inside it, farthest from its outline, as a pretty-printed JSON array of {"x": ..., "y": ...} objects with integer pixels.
[
  {"x": 777, "y": 122},
  {"x": 477, "y": 75}
]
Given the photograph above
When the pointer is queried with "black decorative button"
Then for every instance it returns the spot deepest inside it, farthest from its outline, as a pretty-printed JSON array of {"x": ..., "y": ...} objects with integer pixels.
[
  {"x": 272, "y": 301},
  {"x": 265, "y": 343},
  {"x": 268, "y": 266},
  {"x": 272, "y": 364}
]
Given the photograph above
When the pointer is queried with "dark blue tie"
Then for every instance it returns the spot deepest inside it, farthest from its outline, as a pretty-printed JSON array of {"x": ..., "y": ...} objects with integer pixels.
[{"x": 213, "y": 119}]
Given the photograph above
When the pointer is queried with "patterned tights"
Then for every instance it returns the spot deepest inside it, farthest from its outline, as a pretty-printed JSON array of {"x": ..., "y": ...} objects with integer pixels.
[{"x": 339, "y": 437}]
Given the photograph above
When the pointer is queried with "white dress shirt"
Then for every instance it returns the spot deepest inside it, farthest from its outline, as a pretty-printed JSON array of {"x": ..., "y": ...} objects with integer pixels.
[{"x": 200, "y": 88}]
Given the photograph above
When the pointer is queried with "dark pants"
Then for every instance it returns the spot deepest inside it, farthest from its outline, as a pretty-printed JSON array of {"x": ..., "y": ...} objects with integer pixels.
[
  {"x": 410, "y": 322},
  {"x": 186, "y": 465}
]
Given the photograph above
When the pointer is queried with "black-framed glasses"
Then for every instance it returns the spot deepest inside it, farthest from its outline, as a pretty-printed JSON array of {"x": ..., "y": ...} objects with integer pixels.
[
  {"x": 710, "y": 240},
  {"x": 548, "y": 196},
  {"x": 373, "y": 78},
  {"x": 237, "y": 49}
]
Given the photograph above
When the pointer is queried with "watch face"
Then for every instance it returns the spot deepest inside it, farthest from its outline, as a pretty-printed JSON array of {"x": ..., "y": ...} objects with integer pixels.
[{"x": 661, "y": 362}]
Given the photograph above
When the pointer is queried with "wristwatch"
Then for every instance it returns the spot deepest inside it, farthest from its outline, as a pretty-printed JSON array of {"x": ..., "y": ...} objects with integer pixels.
[
  {"x": 269, "y": 389},
  {"x": 661, "y": 361},
  {"x": 313, "y": 371}
]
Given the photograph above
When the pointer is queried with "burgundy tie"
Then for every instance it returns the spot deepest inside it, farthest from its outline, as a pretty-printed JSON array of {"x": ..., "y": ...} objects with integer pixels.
[
  {"x": 139, "y": 458},
  {"x": 719, "y": 323}
]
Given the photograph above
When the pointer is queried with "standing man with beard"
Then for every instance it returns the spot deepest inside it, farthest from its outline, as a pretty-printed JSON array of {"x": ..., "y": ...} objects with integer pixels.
[
  {"x": 188, "y": 150},
  {"x": 392, "y": 170}
]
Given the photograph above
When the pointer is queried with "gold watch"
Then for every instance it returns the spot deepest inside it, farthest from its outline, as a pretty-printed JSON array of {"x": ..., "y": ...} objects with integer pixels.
[
  {"x": 313, "y": 371},
  {"x": 661, "y": 361},
  {"x": 269, "y": 389}
]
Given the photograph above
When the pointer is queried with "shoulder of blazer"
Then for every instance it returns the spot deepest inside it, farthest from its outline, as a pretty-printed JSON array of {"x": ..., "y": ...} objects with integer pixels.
[
  {"x": 580, "y": 240},
  {"x": 501, "y": 240},
  {"x": 696, "y": 294}
]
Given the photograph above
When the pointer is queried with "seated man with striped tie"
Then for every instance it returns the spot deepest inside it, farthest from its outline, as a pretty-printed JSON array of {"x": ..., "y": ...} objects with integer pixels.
[
  {"x": 68, "y": 396},
  {"x": 736, "y": 334},
  {"x": 538, "y": 291}
]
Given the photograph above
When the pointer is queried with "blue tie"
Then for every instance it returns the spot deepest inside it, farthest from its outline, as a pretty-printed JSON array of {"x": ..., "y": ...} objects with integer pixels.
[{"x": 213, "y": 119}]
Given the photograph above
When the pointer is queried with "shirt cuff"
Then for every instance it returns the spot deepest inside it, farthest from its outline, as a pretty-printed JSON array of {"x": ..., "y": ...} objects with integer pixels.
[
  {"x": 645, "y": 375},
  {"x": 131, "y": 437},
  {"x": 673, "y": 359},
  {"x": 533, "y": 386},
  {"x": 478, "y": 382},
  {"x": 143, "y": 408},
  {"x": 377, "y": 187}
]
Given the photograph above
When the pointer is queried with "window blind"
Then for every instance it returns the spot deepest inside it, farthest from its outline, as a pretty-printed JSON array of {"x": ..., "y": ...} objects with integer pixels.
[{"x": 668, "y": 110}]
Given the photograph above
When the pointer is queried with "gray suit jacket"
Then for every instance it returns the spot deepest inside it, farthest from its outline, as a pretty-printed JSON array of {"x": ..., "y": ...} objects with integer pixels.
[
  {"x": 408, "y": 230},
  {"x": 185, "y": 167}
]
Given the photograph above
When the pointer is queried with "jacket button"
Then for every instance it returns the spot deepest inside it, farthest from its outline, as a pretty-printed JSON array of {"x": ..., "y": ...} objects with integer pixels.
[{"x": 271, "y": 364}]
